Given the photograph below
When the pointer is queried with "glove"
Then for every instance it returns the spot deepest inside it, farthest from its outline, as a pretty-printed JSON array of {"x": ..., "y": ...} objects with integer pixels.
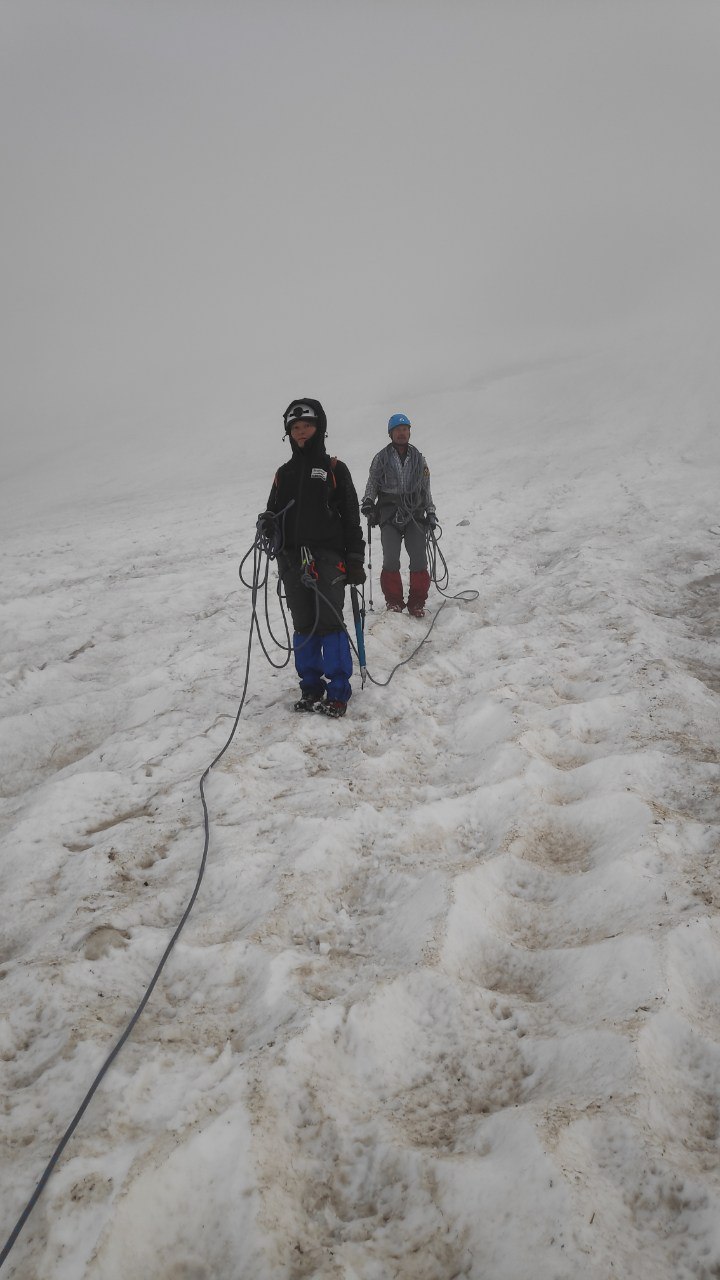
[
  {"x": 369, "y": 511},
  {"x": 355, "y": 573},
  {"x": 431, "y": 520},
  {"x": 267, "y": 525}
]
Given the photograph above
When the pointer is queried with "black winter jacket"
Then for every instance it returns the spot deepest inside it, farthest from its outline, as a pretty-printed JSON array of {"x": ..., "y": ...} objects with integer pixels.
[{"x": 325, "y": 514}]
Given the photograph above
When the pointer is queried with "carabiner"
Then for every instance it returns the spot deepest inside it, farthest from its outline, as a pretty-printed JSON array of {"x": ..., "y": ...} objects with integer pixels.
[{"x": 309, "y": 575}]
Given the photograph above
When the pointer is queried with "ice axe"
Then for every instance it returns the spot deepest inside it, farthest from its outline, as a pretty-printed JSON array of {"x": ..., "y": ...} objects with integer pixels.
[
  {"x": 370, "y": 599},
  {"x": 359, "y": 633}
]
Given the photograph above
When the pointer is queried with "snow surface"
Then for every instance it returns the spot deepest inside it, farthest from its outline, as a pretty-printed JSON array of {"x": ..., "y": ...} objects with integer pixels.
[{"x": 447, "y": 1004}]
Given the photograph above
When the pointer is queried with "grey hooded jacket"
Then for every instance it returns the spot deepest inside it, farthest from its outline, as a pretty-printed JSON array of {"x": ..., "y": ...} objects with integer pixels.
[{"x": 401, "y": 486}]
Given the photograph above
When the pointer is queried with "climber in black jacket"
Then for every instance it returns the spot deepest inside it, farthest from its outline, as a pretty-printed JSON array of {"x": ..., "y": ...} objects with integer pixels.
[{"x": 322, "y": 549}]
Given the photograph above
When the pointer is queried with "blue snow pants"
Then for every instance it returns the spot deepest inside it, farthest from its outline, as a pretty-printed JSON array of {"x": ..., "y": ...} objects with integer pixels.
[{"x": 324, "y": 662}]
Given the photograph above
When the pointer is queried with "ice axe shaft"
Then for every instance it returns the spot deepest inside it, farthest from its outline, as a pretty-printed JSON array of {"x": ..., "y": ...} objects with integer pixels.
[
  {"x": 359, "y": 632},
  {"x": 370, "y": 599}
]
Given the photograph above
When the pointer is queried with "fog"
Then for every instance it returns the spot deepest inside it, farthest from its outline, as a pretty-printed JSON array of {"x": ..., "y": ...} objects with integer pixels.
[{"x": 211, "y": 206}]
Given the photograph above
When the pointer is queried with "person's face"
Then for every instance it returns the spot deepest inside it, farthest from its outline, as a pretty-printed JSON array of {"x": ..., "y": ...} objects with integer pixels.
[
  {"x": 400, "y": 435},
  {"x": 302, "y": 431}
]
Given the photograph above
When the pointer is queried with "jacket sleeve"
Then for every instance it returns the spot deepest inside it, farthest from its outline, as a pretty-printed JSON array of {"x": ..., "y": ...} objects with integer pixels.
[
  {"x": 349, "y": 514},
  {"x": 273, "y": 499},
  {"x": 427, "y": 498},
  {"x": 372, "y": 488}
]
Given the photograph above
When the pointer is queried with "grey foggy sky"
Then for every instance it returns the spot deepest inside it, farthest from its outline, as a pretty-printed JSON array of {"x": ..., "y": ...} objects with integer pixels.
[{"x": 211, "y": 205}]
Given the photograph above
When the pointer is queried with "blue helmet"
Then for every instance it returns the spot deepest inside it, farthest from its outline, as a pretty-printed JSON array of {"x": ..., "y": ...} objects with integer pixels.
[{"x": 398, "y": 420}]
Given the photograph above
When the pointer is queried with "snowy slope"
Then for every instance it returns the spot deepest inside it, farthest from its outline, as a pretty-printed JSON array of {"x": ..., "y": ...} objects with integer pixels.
[{"x": 447, "y": 1003}]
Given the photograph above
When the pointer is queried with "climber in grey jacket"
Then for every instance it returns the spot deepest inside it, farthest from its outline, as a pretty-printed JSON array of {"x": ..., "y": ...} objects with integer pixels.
[{"x": 397, "y": 498}]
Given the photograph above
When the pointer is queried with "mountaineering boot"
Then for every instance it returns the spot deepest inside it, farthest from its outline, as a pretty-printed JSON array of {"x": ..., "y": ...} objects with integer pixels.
[
  {"x": 333, "y": 709},
  {"x": 419, "y": 587},
  {"x": 392, "y": 589},
  {"x": 310, "y": 701}
]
